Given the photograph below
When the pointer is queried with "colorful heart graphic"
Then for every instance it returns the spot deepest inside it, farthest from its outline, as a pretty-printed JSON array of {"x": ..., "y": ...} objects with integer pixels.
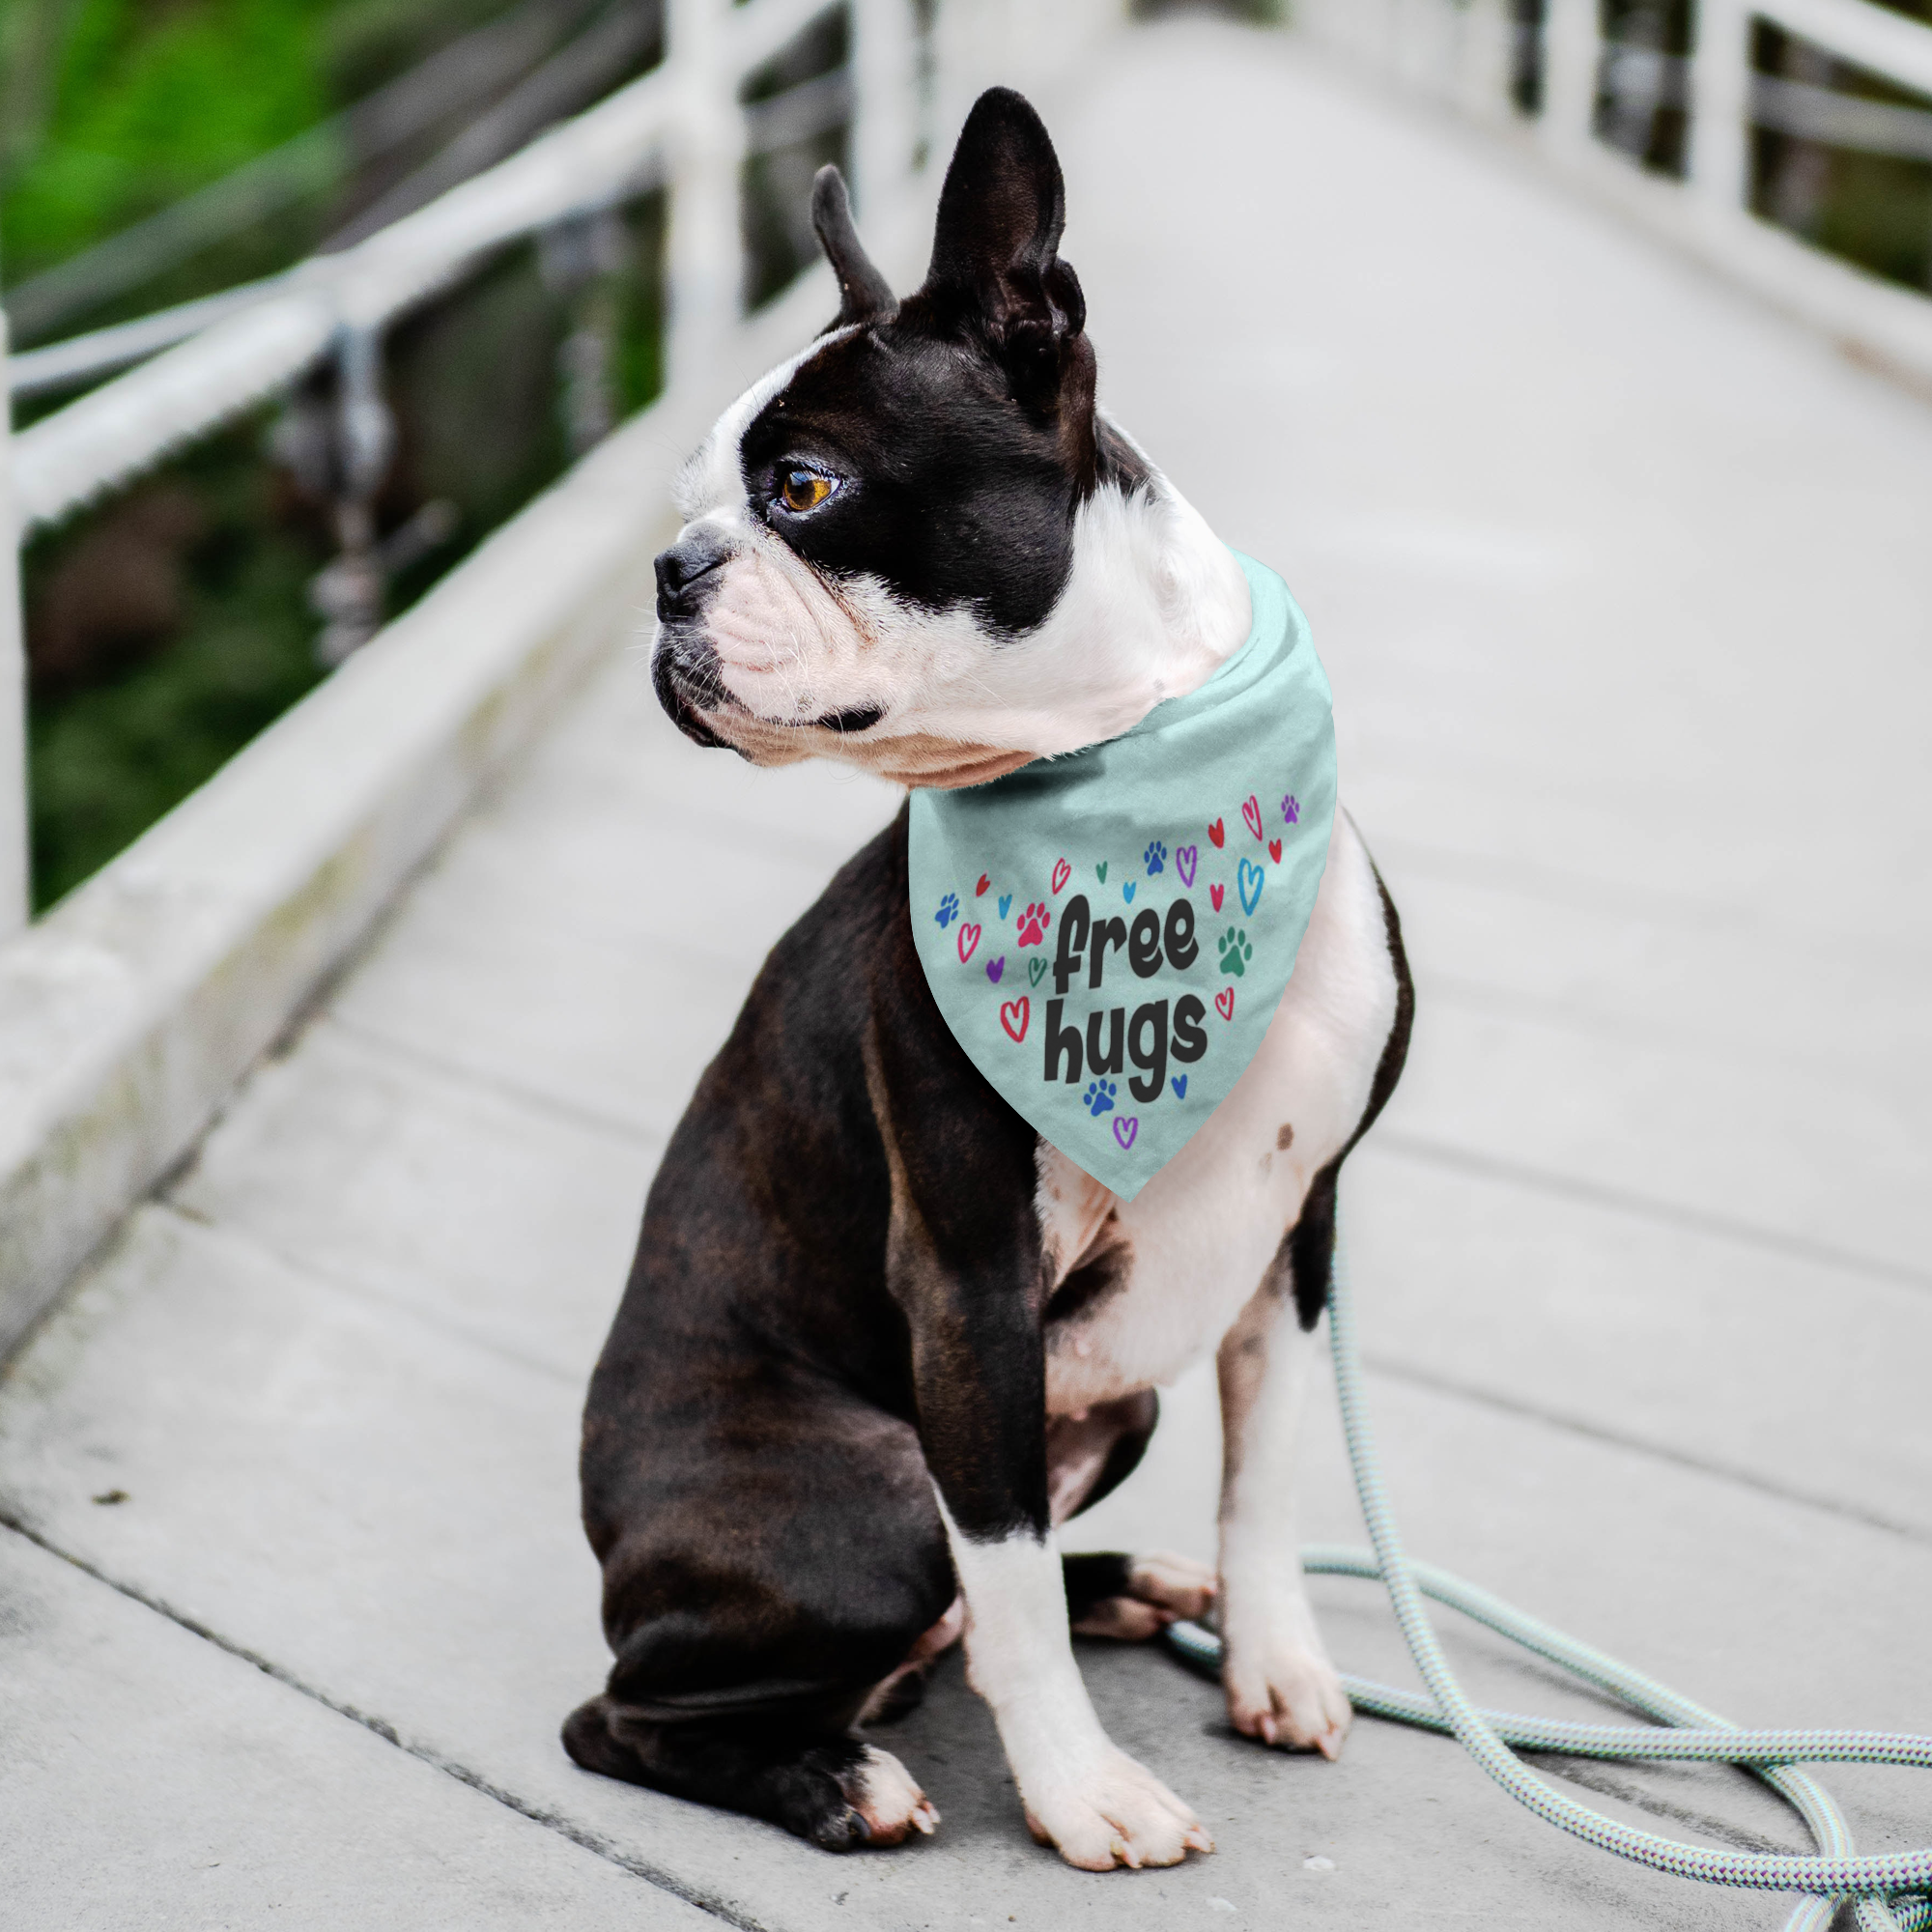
[
  {"x": 1180, "y": 1086},
  {"x": 1013, "y": 1016},
  {"x": 995, "y": 967},
  {"x": 1127, "y": 890},
  {"x": 1217, "y": 893},
  {"x": 1251, "y": 880},
  {"x": 969, "y": 938},
  {"x": 1184, "y": 858},
  {"x": 1005, "y": 904},
  {"x": 1126, "y": 1128},
  {"x": 979, "y": 890},
  {"x": 1218, "y": 833},
  {"x": 1035, "y": 970},
  {"x": 1101, "y": 871},
  {"x": 1224, "y": 1002},
  {"x": 1274, "y": 850},
  {"x": 1062, "y": 872},
  {"x": 1251, "y": 810}
]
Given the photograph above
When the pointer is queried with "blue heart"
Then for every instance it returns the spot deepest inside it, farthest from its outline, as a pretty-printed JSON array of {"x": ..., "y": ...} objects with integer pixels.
[
  {"x": 1180, "y": 1086},
  {"x": 1251, "y": 880},
  {"x": 1127, "y": 890},
  {"x": 1005, "y": 904}
]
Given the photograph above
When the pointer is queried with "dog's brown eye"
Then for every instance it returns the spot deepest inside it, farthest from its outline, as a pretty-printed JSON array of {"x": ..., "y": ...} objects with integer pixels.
[{"x": 804, "y": 490}]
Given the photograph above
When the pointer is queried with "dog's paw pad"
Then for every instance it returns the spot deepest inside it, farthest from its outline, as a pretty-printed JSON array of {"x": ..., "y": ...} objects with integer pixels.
[
  {"x": 948, "y": 911},
  {"x": 1098, "y": 1097},
  {"x": 1236, "y": 952},
  {"x": 1154, "y": 858}
]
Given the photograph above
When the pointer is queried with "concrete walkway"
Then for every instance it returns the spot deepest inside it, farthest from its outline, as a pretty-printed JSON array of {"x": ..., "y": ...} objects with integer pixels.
[{"x": 1625, "y": 591}]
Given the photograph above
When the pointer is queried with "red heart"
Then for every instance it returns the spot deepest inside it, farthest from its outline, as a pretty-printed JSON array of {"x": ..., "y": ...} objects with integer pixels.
[
  {"x": 1274, "y": 850},
  {"x": 1216, "y": 894},
  {"x": 1224, "y": 1002},
  {"x": 969, "y": 937},
  {"x": 978, "y": 891},
  {"x": 1252, "y": 812},
  {"x": 1217, "y": 832},
  {"x": 1013, "y": 1016},
  {"x": 1062, "y": 872}
]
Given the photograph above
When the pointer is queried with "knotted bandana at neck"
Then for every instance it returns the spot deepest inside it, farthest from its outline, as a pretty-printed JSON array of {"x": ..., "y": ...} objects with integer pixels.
[{"x": 1109, "y": 933}]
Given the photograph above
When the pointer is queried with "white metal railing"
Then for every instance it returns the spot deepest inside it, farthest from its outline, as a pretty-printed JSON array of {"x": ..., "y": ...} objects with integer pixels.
[
  {"x": 1469, "y": 53},
  {"x": 681, "y": 125}
]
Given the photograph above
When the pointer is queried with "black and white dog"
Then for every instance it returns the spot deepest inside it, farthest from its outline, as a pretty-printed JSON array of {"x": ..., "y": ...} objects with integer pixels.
[{"x": 880, "y": 1338}]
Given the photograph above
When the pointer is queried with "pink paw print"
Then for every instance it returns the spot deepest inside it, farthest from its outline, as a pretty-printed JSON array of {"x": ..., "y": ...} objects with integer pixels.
[{"x": 1034, "y": 922}]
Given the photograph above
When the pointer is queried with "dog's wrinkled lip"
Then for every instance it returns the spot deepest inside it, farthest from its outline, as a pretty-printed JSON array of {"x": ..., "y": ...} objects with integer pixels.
[
  {"x": 849, "y": 724},
  {"x": 687, "y": 689}
]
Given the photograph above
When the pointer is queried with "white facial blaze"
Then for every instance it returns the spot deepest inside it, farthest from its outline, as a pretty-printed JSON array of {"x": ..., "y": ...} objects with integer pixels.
[{"x": 1152, "y": 605}]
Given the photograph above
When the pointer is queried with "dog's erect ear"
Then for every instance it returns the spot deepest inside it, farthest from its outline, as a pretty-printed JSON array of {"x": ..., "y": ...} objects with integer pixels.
[
  {"x": 863, "y": 292},
  {"x": 1001, "y": 213}
]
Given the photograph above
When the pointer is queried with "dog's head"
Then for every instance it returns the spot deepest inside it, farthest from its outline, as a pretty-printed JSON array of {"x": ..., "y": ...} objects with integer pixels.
[{"x": 917, "y": 546}]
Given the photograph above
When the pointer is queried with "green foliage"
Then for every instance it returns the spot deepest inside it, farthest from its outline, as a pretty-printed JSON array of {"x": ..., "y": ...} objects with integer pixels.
[
  {"x": 140, "y": 104},
  {"x": 108, "y": 758}
]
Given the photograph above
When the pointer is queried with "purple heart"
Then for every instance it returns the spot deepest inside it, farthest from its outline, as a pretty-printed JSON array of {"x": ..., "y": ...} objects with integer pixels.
[
  {"x": 1126, "y": 1128},
  {"x": 995, "y": 967},
  {"x": 1184, "y": 857}
]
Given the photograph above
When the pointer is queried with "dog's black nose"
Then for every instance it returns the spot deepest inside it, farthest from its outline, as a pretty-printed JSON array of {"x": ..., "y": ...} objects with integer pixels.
[{"x": 684, "y": 573}]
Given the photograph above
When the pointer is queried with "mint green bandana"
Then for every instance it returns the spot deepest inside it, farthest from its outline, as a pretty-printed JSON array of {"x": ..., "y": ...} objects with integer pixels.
[{"x": 1109, "y": 933}]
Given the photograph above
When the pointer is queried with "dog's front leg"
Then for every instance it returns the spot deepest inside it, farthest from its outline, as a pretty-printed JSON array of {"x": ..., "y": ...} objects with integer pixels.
[
  {"x": 972, "y": 1297},
  {"x": 1280, "y": 1684}
]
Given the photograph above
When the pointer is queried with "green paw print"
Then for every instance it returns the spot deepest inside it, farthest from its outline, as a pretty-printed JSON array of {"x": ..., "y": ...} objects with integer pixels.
[{"x": 1236, "y": 952}]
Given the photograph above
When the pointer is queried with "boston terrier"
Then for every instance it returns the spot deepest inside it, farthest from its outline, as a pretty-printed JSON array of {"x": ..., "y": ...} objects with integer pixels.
[{"x": 880, "y": 1338}]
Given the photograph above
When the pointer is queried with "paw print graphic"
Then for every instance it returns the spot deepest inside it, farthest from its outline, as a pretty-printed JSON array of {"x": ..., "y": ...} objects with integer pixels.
[
  {"x": 1236, "y": 952},
  {"x": 1154, "y": 858},
  {"x": 1291, "y": 809},
  {"x": 1034, "y": 922},
  {"x": 949, "y": 910},
  {"x": 1098, "y": 1097}
]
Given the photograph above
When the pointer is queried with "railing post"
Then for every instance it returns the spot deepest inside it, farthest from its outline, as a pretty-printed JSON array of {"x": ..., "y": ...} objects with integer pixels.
[
  {"x": 1721, "y": 108},
  {"x": 1572, "y": 49},
  {"x": 703, "y": 254},
  {"x": 13, "y": 683}
]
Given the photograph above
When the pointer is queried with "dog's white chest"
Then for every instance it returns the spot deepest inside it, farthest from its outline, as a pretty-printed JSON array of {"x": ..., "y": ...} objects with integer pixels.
[{"x": 1144, "y": 1287}]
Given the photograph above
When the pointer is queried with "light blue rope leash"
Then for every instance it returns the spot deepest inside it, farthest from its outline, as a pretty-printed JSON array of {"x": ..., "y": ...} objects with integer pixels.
[{"x": 1684, "y": 1730}]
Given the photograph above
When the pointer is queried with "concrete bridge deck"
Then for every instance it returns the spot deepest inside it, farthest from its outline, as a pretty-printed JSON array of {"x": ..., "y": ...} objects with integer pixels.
[{"x": 1623, "y": 587}]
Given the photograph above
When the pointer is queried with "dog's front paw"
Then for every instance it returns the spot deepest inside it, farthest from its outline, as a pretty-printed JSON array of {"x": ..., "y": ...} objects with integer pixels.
[
  {"x": 1286, "y": 1692},
  {"x": 1114, "y": 1812},
  {"x": 883, "y": 1804}
]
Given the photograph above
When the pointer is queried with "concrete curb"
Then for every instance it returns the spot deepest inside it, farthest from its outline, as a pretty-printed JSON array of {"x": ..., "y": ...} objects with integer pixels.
[{"x": 133, "y": 1007}]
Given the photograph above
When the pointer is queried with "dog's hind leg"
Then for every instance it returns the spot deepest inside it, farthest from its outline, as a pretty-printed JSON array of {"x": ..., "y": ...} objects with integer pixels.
[
  {"x": 817, "y": 1780},
  {"x": 759, "y": 1580}
]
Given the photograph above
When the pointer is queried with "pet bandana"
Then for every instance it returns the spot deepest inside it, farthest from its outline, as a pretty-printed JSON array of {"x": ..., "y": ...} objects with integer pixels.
[{"x": 1109, "y": 933}]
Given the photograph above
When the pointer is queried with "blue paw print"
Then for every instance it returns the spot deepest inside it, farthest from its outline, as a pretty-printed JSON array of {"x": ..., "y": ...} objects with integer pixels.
[
  {"x": 949, "y": 910},
  {"x": 1099, "y": 1099},
  {"x": 1154, "y": 858}
]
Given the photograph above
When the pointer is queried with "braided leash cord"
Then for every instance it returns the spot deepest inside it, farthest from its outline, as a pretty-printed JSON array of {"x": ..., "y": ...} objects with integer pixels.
[{"x": 1879, "y": 1885}]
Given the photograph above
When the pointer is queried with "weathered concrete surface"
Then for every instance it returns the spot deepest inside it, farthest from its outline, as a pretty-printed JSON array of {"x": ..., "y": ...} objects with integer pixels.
[
  {"x": 152, "y": 1780},
  {"x": 1619, "y": 586}
]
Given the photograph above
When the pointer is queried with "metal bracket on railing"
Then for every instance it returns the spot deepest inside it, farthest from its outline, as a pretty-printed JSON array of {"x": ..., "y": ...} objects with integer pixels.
[{"x": 348, "y": 593}]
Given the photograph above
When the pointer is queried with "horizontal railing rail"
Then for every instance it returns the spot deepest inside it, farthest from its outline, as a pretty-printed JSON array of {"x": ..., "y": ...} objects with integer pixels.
[{"x": 1582, "y": 92}]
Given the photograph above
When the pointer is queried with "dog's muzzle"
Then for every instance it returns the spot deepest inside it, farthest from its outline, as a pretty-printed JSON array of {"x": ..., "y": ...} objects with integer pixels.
[{"x": 684, "y": 665}]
